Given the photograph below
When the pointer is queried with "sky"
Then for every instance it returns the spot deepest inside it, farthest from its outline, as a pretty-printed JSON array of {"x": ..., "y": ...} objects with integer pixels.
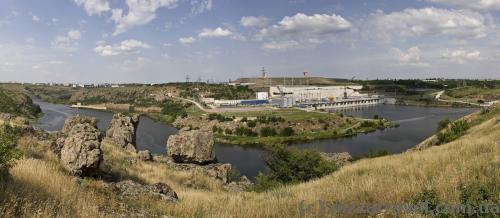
[{"x": 158, "y": 41}]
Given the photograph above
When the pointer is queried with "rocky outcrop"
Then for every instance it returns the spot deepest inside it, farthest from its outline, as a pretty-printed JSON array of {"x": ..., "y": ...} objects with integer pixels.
[
  {"x": 122, "y": 130},
  {"x": 191, "y": 146},
  {"x": 217, "y": 171},
  {"x": 340, "y": 159},
  {"x": 71, "y": 122},
  {"x": 81, "y": 151},
  {"x": 131, "y": 189},
  {"x": 239, "y": 186},
  {"x": 145, "y": 155}
]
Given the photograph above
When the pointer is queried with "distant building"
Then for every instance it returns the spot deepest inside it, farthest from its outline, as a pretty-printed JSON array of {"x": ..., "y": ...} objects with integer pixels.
[
  {"x": 262, "y": 95},
  {"x": 315, "y": 93}
]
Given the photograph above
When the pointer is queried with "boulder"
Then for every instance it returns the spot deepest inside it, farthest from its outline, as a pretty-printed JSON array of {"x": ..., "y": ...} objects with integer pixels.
[
  {"x": 217, "y": 171},
  {"x": 145, "y": 155},
  {"x": 239, "y": 186},
  {"x": 340, "y": 159},
  {"x": 131, "y": 189},
  {"x": 194, "y": 146},
  {"x": 81, "y": 153},
  {"x": 70, "y": 122},
  {"x": 122, "y": 129}
]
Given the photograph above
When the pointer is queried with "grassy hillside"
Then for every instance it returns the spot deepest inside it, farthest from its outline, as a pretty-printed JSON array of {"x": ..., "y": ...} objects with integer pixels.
[
  {"x": 17, "y": 103},
  {"x": 450, "y": 172}
]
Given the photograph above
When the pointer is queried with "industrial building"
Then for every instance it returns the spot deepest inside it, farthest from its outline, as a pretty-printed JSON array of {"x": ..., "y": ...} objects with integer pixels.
[{"x": 315, "y": 93}]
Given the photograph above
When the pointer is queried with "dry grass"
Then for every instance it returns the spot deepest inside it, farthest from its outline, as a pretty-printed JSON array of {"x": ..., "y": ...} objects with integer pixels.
[{"x": 390, "y": 179}]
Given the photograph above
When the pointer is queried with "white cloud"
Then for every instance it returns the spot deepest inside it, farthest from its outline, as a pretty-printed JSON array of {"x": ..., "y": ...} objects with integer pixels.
[
  {"x": 187, "y": 40},
  {"x": 426, "y": 21},
  {"x": 252, "y": 21},
  {"x": 471, "y": 4},
  {"x": 125, "y": 47},
  {"x": 200, "y": 6},
  {"x": 94, "y": 6},
  {"x": 314, "y": 25},
  {"x": 281, "y": 45},
  {"x": 68, "y": 42},
  {"x": 410, "y": 57},
  {"x": 35, "y": 18},
  {"x": 140, "y": 12},
  {"x": 303, "y": 31},
  {"x": 214, "y": 33},
  {"x": 461, "y": 55}
]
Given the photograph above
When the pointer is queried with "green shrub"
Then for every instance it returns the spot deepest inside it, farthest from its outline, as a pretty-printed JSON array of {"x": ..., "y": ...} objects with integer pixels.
[
  {"x": 430, "y": 198},
  {"x": 8, "y": 153},
  {"x": 476, "y": 196},
  {"x": 443, "y": 124},
  {"x": 267, "y": 132},
  {"x": 251, "y": 124},
  {"x": 291, "y": 165},
  {"x": 228, "y": 131},
  {"x": 455, "y": 130},
  {"x": 243, "y": 131},
  {"x": 173, "y": 108},
  {"x": 287, "y": 131}
]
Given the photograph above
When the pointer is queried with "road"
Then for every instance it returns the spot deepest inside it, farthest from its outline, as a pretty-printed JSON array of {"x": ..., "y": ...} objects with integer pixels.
[{"x": 486, "y": 104}]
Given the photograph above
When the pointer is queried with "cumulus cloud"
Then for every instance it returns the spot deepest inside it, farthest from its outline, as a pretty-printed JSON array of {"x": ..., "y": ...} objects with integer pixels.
[
  {"x": 471, "y": 4},
  {"x": 411, "y": 57},
  {"x": 187, "y": 40},
  {"x": 130, "y": 46},
  {"x": 252, "y": 21},
  {"x": 214, "y": 33},
  {"x": 200, "y": 6},
  {"x": 461, "y": 55},
  {"x": 140, "y": 12},
  {"x": 68, "y": 42},
  {"x": 426, "y": 21},
  {"x": 315, "y": 25},
  {"x": 92, "y": 7},
  {"x": 304, "y": 30}
]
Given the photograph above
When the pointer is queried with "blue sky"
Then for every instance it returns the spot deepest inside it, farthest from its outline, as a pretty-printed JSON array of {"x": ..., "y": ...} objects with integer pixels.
[{"x": 155, "y": 41}]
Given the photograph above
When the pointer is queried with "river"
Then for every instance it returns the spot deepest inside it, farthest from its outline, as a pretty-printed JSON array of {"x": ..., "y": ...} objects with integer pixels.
[{"x": 416, "y": 124}]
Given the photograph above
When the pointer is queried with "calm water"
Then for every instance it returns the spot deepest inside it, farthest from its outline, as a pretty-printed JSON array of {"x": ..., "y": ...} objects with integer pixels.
[{"x": 416, "y": 124}]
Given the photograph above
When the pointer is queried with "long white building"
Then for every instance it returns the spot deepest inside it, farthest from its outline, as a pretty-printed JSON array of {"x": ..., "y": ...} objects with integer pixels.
[{"x": 315, "y": 93}]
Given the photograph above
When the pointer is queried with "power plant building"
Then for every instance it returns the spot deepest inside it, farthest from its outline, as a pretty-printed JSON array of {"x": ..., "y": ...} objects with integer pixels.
[{"x": 315, "y": 93}]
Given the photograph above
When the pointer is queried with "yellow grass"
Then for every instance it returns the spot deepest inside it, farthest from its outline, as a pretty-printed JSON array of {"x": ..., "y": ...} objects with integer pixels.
[{"x": 474, "y": 157}]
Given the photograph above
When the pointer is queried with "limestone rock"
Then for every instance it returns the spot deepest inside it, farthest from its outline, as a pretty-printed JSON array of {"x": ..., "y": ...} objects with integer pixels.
[
  {"x": 70, "y": 122},
  {"x": 340, "y": 159},
  {"x": 131, "y": 189},
  {"x": 122, "y": 129},
  {"x": 217, "y": 171},
  {"x": 145, "y": 155},
  {"x": 81, "y": 153},
  {"x": 194, "y": 146}
]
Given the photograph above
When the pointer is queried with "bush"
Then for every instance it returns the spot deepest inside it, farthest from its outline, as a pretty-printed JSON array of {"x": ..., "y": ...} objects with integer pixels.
[
  {"x": 455, "y": 130},
  {"x": 251, "y": 124},
  {"x": 228, "y": 131},
  {"x": 267, "y": 132},
  {"x": 287, "y": 131},
  {"x": 443, "y": 124},
  {"x": 8, "y": 153},
  {"x": 430, "y": 198},
  {"x": 291, "y": 165},
  {"x": 173, "y": 108},
  {"x": 476, "y": 195},
  {"x": 243, "y": 131}
]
